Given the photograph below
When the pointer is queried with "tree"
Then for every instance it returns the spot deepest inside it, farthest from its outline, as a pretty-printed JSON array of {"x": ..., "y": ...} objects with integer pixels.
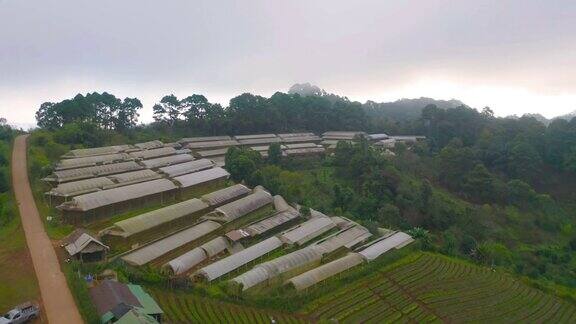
[
  {"x": 274, "y": 153},
  {"x": 169, "y": 110},
  {"x": 480, "y": 184}
]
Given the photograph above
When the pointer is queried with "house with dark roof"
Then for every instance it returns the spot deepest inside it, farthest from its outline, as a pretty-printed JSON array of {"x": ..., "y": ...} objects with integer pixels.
[
  {"x": 83, "y": 247},
  {"x": 116, "y": 302}
]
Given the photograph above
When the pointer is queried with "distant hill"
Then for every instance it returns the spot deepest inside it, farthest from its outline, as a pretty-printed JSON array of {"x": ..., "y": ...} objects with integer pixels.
[
  {"x": 568, "y": 116},
  {"x": 404, "y": 109}
]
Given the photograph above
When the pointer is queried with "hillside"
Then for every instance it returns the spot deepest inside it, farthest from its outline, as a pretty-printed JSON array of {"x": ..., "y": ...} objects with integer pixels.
[
  {"x": 406, "y": 109},
  {"x": 426, "y": 287}
]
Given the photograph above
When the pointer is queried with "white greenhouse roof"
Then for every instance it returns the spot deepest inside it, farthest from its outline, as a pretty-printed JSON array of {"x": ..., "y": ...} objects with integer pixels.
[
  {"x": 253, "y": 136},
  {"x": 91, "y": 160},
  {"x": 222, "y": 196},
  {"x": 116, "y": 195},
  {"x": 160, "y": 216},
  {"x": 134, "y": 176},
  {"x": 186, "y": 261},
  {"x": 235, "y": 261},
  {"x": 96, "y": 151},
  {"x": 159, "y": 248},
  {"x": 382, "y": 246},
  {"x": 200, "y": 177},
  {"x": 95, "y": 171},
  {"x": 149, "y": 145},
  {"x": 211, "y": 153},
  {"x": 325, "y": 271},
  {"x": 271, "y": 222},
  {"x": 204, "y": 139},
  {"x": 302, "y": 139},
  {"x": 305, "y": 151},
  {"x": 187, "y": 167},
  {"x": 167, "y": 160},
  {"x": 347, "y": 237},
  {"x": 308, "y": 230},
  {"x": 153, "y": 153},
  {"x": 75, "y": 188},
  {"x": 211, "y": 144},
  {"x": 290, "y": 135},
  {"x": 242, "y": 206}
]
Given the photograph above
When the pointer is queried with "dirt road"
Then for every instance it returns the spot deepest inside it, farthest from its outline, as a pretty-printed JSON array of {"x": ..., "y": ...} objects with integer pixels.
[{"x": 58, "y": 301}]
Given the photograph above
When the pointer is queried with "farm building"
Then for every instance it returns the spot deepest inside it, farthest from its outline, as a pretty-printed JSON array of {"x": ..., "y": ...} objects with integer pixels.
[
  {"x": 89, "y": 207},
  {"x": 238, "y": 208},
  {"x": 235, "y": 261},
  {"x": 383, "y": 245},
  {"x": 166, "y": 161},
  {"x": 123, "y": 179},
  {"x": 158, "y": 248},
  {"x": 212, "y": 153},
  {"x": 92, "y": 172},
  {"x": 211, "y": 145},
  {"x": 386, "y": 143},
  {"x": 149, "y": 145},
  {"x": 350, "y": 136},
  {"x": 377, "y": 137},
  {"x": 91, "y": 161},
  {"x": 189, "y": 260},
  {"x": 280, "y": 204},
  {"x": 325, "y": 271},
  {"x": 191, "y": 182},
  {"x": 158, "y": 221},
  {"x": 300, "y": 145},
  {"x": 259, "y": 141},
  {"x": 186, "y": 167},
  {"x": 278, "y": 219},
  {"x": 120, "y": 303},
  {"x": 307, "y": 230},
  {"x": 408, "y": 138},
  {"x": 253, "y": 136},
  {"x": 188, "y": 140},
  {"x": 63, "y": 191},
  {"x": 78, "y": 153},
  {"x": 82, "y": 246},
  {"x": 226, "y": 195},
  {"x": 306, "y": 151},
  {"x": 153, "y": 153},
  {"x": 348, "y": 238}
]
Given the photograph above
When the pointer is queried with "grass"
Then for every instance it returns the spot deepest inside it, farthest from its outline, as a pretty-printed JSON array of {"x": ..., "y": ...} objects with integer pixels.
[{"x": 425, "y": 287}]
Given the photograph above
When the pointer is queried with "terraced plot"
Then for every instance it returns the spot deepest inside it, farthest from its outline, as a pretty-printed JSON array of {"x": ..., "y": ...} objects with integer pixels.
[
  {"x": 434, "y": 288},
  {"x": 186, "y": 308}
]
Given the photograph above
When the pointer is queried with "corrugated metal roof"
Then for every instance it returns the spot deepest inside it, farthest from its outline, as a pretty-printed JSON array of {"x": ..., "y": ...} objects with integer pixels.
[
  {"x": 167, "y": 160},
  {"x": 241, "y": 207},
  {"x": 91, "y": 160},
  {"x": 153, "y": 153},
  {"x": 160, "y": 216},
  {"x": 149, "y": 145},
  {"x": 226, "y": 195},
  {"x": 112, "y": 196},
  {"x": 187, "y": 167},
  {"x": 382, "y": 246},
  {"x": 200, "y": 177},
  {"x": 75, "y": 188},
  {"x": 235, "y": 261},
  {"x": 159, "y": 248},
  {"x": 82, "y": 243},
  {"x": 325, "y": 271},
  {"x": 308, "y": 230},
  {"x": 95, "y": 171},
  {"x": 135, "y": 176}
]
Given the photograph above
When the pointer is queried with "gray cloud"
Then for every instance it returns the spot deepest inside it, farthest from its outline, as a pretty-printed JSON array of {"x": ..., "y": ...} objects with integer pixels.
[{"x": 50, "y": 50}]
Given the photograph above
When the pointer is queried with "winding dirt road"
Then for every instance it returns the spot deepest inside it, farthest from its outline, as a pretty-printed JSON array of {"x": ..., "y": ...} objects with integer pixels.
[{"x": 58, "y": 301}]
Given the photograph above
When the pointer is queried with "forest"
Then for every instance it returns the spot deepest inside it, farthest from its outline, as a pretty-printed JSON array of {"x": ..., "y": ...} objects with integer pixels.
[{"x": 498, "y": 191}]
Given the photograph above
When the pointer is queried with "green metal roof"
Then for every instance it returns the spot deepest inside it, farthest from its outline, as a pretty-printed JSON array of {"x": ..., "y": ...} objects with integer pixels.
[{"x": 149, "y": 305}]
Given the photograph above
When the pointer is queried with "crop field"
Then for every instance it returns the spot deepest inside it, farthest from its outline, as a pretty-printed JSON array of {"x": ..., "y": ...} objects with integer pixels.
[
  {"x": 186, "y": 308},
  {"x": 432, "y": 288}
]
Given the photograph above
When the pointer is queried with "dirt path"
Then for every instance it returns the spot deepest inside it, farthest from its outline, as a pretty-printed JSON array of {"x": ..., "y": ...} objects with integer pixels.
[{"x": 58, "y": 301}]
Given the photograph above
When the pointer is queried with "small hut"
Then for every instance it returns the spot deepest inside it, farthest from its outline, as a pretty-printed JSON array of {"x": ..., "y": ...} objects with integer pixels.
[{"x": 83, "y": 247}]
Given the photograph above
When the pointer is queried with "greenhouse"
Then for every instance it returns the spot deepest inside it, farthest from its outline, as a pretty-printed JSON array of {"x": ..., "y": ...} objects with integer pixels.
[
  {"x": 188, "y": 140},
  {"x": 86, "y": 208},
  {"x": 163, "y": 246},
  {"x": 149, "y": 145},
  {"x": 226, "y": 195},
  {"x": 91, "y": 161},
  {"x": 308, "y": 230},
  {"x": 241, "y": 207},
  {"x": 172, "y": 216},
  {"x": 92, "y": 172},
  {"x": 75, "y": 188},
  {"x": 194, "y": 257},
  {"x": 272, "y": 222},
  {"x": 394, "y": 241},
  {"x": 166, "y": 161},
  {"x": 189, "y": 182},
  {"x": 235, "y": 261},
  {"x": 96, "y": 151},
  {"x": 325, "y": 271},
  {"x": 187, "y": 167},
  {"x": 153, "y": 153},
  {"x": 211, "y": 145},
  {"x": 134, "y": 177}
]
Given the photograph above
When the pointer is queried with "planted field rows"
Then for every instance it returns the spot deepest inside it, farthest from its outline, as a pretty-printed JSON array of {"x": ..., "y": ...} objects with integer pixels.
[
  {"x": 186, "y": 308},
  {"x": 433, "y": 288}
]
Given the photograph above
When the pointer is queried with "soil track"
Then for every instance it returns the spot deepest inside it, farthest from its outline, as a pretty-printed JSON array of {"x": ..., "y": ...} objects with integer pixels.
[{"x": 58, "y": 302}]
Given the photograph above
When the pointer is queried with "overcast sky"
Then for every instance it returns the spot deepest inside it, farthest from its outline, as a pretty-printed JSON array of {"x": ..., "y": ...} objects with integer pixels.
[{"x": 516, "y": 56}]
